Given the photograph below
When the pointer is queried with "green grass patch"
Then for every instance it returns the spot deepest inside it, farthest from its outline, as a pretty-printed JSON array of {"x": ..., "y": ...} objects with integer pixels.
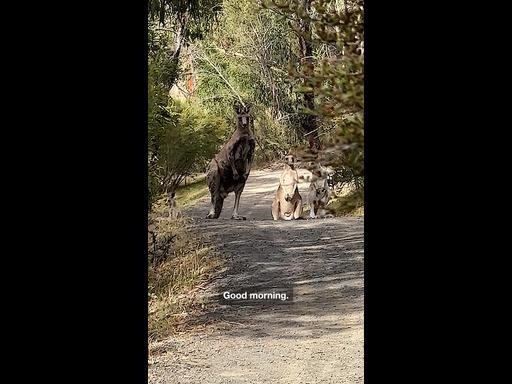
[{"x": 187, "y": 195}]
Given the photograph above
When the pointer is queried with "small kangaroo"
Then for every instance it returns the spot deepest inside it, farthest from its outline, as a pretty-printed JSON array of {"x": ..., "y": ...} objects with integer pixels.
[
  {"x": 319, "y": 195},
  {"x": 174, "y": 211}
]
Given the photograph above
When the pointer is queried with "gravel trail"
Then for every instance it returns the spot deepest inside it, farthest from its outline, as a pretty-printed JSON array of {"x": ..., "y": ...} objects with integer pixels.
[{"x": 315, "y": 338}]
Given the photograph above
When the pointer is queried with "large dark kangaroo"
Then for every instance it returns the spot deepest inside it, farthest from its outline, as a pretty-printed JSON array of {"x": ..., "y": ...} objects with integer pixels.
[{"x": 229, "y": 169}]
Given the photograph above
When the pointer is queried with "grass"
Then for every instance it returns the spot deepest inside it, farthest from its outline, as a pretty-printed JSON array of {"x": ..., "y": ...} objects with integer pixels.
[
  {"x": 189, "y": 194},
  {"x": 186, "y": 195},
  {"x": 351, "y": 204},
  {"x": 174, "y": 278}
]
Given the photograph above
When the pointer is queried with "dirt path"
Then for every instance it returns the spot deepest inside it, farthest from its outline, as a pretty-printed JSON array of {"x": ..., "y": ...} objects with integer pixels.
[{"x": 317, "y": 338}]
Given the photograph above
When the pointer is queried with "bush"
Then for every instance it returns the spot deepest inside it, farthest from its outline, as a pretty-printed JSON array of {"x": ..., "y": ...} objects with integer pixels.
[
  {"x": 183, "y": 139},
  {"x": 334, "y": 76}
]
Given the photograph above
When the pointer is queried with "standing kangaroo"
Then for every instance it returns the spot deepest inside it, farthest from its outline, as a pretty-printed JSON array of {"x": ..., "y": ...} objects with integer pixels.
[
  {"x": 174, "y": 211},
  {"x": 229, "y": 169},
  {"x": 287, "y": 203}
]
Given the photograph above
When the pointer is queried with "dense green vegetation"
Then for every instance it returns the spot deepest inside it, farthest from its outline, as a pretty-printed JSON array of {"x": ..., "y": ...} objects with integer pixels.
[{"x": 299, "y": 63}]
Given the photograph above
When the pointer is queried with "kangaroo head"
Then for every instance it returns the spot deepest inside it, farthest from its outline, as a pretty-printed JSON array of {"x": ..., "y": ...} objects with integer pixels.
[
  {"x": 243, "y": 115},
  {"x": 289, "y": 160}
]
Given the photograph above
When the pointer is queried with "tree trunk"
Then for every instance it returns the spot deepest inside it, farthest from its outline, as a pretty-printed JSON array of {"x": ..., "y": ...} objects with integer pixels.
[{"x": 309, "y": 121}]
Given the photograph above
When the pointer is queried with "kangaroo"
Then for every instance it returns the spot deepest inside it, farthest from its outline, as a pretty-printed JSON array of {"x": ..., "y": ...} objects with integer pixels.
[
  {"x": 287, "y": 203},
  {"x": 174, "y": 211},
  {"x": 319, "y": 195},
  {"x": 229, "y": 169}
]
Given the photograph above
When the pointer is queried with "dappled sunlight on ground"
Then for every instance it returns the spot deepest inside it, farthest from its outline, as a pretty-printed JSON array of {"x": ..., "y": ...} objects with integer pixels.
[{"x": 321, "y": 261}]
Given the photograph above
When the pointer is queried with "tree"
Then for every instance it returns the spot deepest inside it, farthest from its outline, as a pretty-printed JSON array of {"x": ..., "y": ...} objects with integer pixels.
[
  {"x": 309, "y": 121},
  {"x": 250, "y": 60},
  {"x": 331, "y": 35},
  {"x": 173, "y": 24}
]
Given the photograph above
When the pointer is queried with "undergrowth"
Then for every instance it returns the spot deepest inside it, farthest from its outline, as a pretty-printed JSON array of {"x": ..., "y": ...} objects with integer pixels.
[{"x": 178, "y": 263}]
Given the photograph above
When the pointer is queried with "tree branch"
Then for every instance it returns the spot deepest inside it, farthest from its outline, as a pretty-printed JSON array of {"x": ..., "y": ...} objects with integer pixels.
[{"x": 223, "y": 78}]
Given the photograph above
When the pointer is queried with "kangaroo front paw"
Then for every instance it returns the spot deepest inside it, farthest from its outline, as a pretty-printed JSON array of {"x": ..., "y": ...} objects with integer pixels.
[
  {"x": 211, "y": 216},
  {"x": 238, "y": 217}
]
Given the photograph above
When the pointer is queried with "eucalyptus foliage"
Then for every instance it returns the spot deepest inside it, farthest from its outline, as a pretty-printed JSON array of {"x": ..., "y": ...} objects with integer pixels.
[
  {"x": 246, "y": 56},
  {"x": 195, "y": 17},
  {"x": 334, "y": 75},
  {"x": 180, "y": 137}
]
